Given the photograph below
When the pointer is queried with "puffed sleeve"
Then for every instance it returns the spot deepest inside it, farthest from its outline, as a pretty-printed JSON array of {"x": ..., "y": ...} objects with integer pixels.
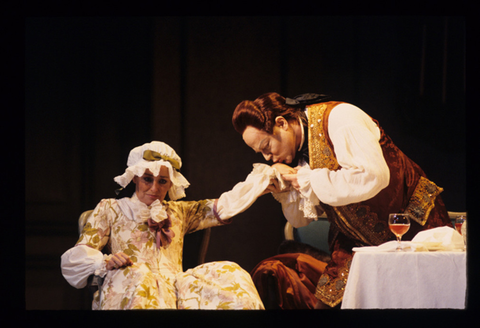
[
  {"x": 80, "y": 262},
  {"x": 85, "y": 258},
  {"x": 364, "y": 171}
]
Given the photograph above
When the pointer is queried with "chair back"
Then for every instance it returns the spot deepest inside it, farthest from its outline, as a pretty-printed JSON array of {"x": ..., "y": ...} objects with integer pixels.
[
  {"x": 454, "y": 215},
  {"x": 83, "y": 220},
  {"x": 314, "y": 234}
]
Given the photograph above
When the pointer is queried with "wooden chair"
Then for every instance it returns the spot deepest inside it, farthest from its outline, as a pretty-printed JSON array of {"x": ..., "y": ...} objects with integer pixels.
[
  {"x": 315, "y": 234},
  {"x": 454, "y": 215}
]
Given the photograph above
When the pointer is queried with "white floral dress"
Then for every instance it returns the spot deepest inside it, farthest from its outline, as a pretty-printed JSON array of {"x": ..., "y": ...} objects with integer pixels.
[{"x": 155, "y": 280}]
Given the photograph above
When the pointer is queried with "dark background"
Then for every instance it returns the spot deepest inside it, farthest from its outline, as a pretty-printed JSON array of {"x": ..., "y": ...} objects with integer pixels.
[{"x": 97, "y": 87}]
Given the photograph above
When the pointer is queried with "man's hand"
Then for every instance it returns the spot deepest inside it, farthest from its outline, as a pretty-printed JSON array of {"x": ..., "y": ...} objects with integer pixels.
[
  {"x": 274, "y": 186},
  {"x": 289, "y": 174},
  {"x": 284, "y": 169}
]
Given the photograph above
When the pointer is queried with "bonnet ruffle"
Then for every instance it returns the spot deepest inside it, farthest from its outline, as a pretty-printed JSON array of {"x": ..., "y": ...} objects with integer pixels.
[{"x": 153, "y": 156}]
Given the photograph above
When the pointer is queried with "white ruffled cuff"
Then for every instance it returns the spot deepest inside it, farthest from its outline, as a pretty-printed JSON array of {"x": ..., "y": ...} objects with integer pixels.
[
  {"x": 299, "y": 207},
  {"x": 102, "y": 270},
  {"x": 298, "y": 210},
  {"x": 306, "y": 190}
]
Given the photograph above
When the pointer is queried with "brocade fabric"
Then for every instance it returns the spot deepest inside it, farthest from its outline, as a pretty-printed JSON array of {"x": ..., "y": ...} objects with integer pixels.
[{"x": 155, "y": 280}]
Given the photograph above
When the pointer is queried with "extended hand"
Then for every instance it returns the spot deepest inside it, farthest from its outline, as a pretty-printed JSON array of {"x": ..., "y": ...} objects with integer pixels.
[
  {"x": 118, "y": 260},
  {"x": 292, "y": 178},
  {"x": 274, "y": 186},
  {"x": 284, "y": 169},
  {"x": 289, "y": 174}
]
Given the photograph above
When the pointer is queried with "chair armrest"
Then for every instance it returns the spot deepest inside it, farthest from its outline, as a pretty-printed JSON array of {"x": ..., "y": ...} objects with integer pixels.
[{"x": 288, "y": 231}]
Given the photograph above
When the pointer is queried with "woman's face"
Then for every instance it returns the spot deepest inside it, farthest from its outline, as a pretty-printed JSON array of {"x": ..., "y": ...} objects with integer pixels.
[
  {"x": 279, "y": 147},
  {"x": 149, "y": 188}
]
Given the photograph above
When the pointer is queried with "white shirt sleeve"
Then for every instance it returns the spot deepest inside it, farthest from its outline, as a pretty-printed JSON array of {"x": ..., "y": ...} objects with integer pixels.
[
  {"x": 81, "y": 261},
  {"x": 245, "y": 193},
  {"x": 364, "y": 171}
]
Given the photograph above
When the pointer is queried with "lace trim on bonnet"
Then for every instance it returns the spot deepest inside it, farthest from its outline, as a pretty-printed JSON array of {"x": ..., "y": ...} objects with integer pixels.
[{"x": 153, "y": 156}]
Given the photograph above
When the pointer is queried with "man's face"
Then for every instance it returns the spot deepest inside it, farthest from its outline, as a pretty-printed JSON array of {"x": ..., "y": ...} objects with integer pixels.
[{"x": 278, "y": 147}]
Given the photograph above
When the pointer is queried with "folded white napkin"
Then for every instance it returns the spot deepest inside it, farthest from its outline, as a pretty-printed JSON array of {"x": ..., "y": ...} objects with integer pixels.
[
  {"x": 389, "y": 246},
  {"x": 441, "y": 238},
  {"x": 435, "y": 239}
]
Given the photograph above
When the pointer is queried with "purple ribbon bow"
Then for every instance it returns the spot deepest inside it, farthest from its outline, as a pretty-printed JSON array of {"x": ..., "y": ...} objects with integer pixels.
[{"x": 164, "y": 234}]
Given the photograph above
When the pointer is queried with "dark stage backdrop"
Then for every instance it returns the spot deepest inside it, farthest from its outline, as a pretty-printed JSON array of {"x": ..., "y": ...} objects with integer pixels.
[{"x": 97, "y": 87}]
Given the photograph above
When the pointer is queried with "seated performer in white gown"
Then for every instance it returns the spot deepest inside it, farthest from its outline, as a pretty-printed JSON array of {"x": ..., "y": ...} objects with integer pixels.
[{"x": 145, "y": 235}]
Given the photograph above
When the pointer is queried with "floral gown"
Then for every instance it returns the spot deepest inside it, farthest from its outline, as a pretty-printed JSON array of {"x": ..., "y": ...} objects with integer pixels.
[{"x": 155, "y": 280}]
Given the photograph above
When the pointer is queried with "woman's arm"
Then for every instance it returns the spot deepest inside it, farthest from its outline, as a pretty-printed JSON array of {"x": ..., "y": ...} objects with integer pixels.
[
  {"x": 80, "y": 262},
  {"x": 214, "y": 212},
  {"x": 86, "y": 258}
]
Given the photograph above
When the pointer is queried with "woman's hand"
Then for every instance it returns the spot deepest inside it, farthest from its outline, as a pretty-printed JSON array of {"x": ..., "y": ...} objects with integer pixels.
[
  {"x": 289, "y": 174},
  {"x": 272, "y": 187},
  {"x": 284, "y": 168},
  {"x": 118, "y": 260}
]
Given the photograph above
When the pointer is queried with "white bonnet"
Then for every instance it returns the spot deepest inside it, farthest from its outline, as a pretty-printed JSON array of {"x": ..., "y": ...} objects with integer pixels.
[{"x": 153, "y": 156}]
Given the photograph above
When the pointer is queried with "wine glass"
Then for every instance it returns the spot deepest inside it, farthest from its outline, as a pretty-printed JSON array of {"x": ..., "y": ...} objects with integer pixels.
[
  {"x": 461, "y": 227},
  {"x": 459, "y": 220},
  {"x": 399, "y": 224}
]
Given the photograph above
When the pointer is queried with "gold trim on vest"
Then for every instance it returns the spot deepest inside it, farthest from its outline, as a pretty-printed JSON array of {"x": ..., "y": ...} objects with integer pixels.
[
  {"x": 320, "y": 152},
  {"x": 423, "y": 200},
  {"x": 330, "y": 291}
]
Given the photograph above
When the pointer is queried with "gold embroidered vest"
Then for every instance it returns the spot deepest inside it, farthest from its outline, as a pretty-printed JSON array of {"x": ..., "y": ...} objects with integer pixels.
[{"x": 367, "y": 222}]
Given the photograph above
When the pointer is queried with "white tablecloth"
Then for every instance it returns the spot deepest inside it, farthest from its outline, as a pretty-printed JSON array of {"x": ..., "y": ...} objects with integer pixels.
[{"x": 381, "y": 280}]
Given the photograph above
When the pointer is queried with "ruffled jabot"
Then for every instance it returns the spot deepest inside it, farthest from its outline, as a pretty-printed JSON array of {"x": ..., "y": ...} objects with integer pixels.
[{"x": 155, "y": 216}]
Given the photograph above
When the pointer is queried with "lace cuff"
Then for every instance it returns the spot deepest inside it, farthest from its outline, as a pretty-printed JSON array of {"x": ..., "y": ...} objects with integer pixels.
[
  {"x": 303, "y": 199},
  {"x": 303, "y": 179},
  {"x": 299, "y": 211},
  {"x": 102, "y": 270}
]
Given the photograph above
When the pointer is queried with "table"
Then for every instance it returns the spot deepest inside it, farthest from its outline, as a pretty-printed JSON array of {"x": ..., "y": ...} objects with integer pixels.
[{"x": 420, "y": 280}]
